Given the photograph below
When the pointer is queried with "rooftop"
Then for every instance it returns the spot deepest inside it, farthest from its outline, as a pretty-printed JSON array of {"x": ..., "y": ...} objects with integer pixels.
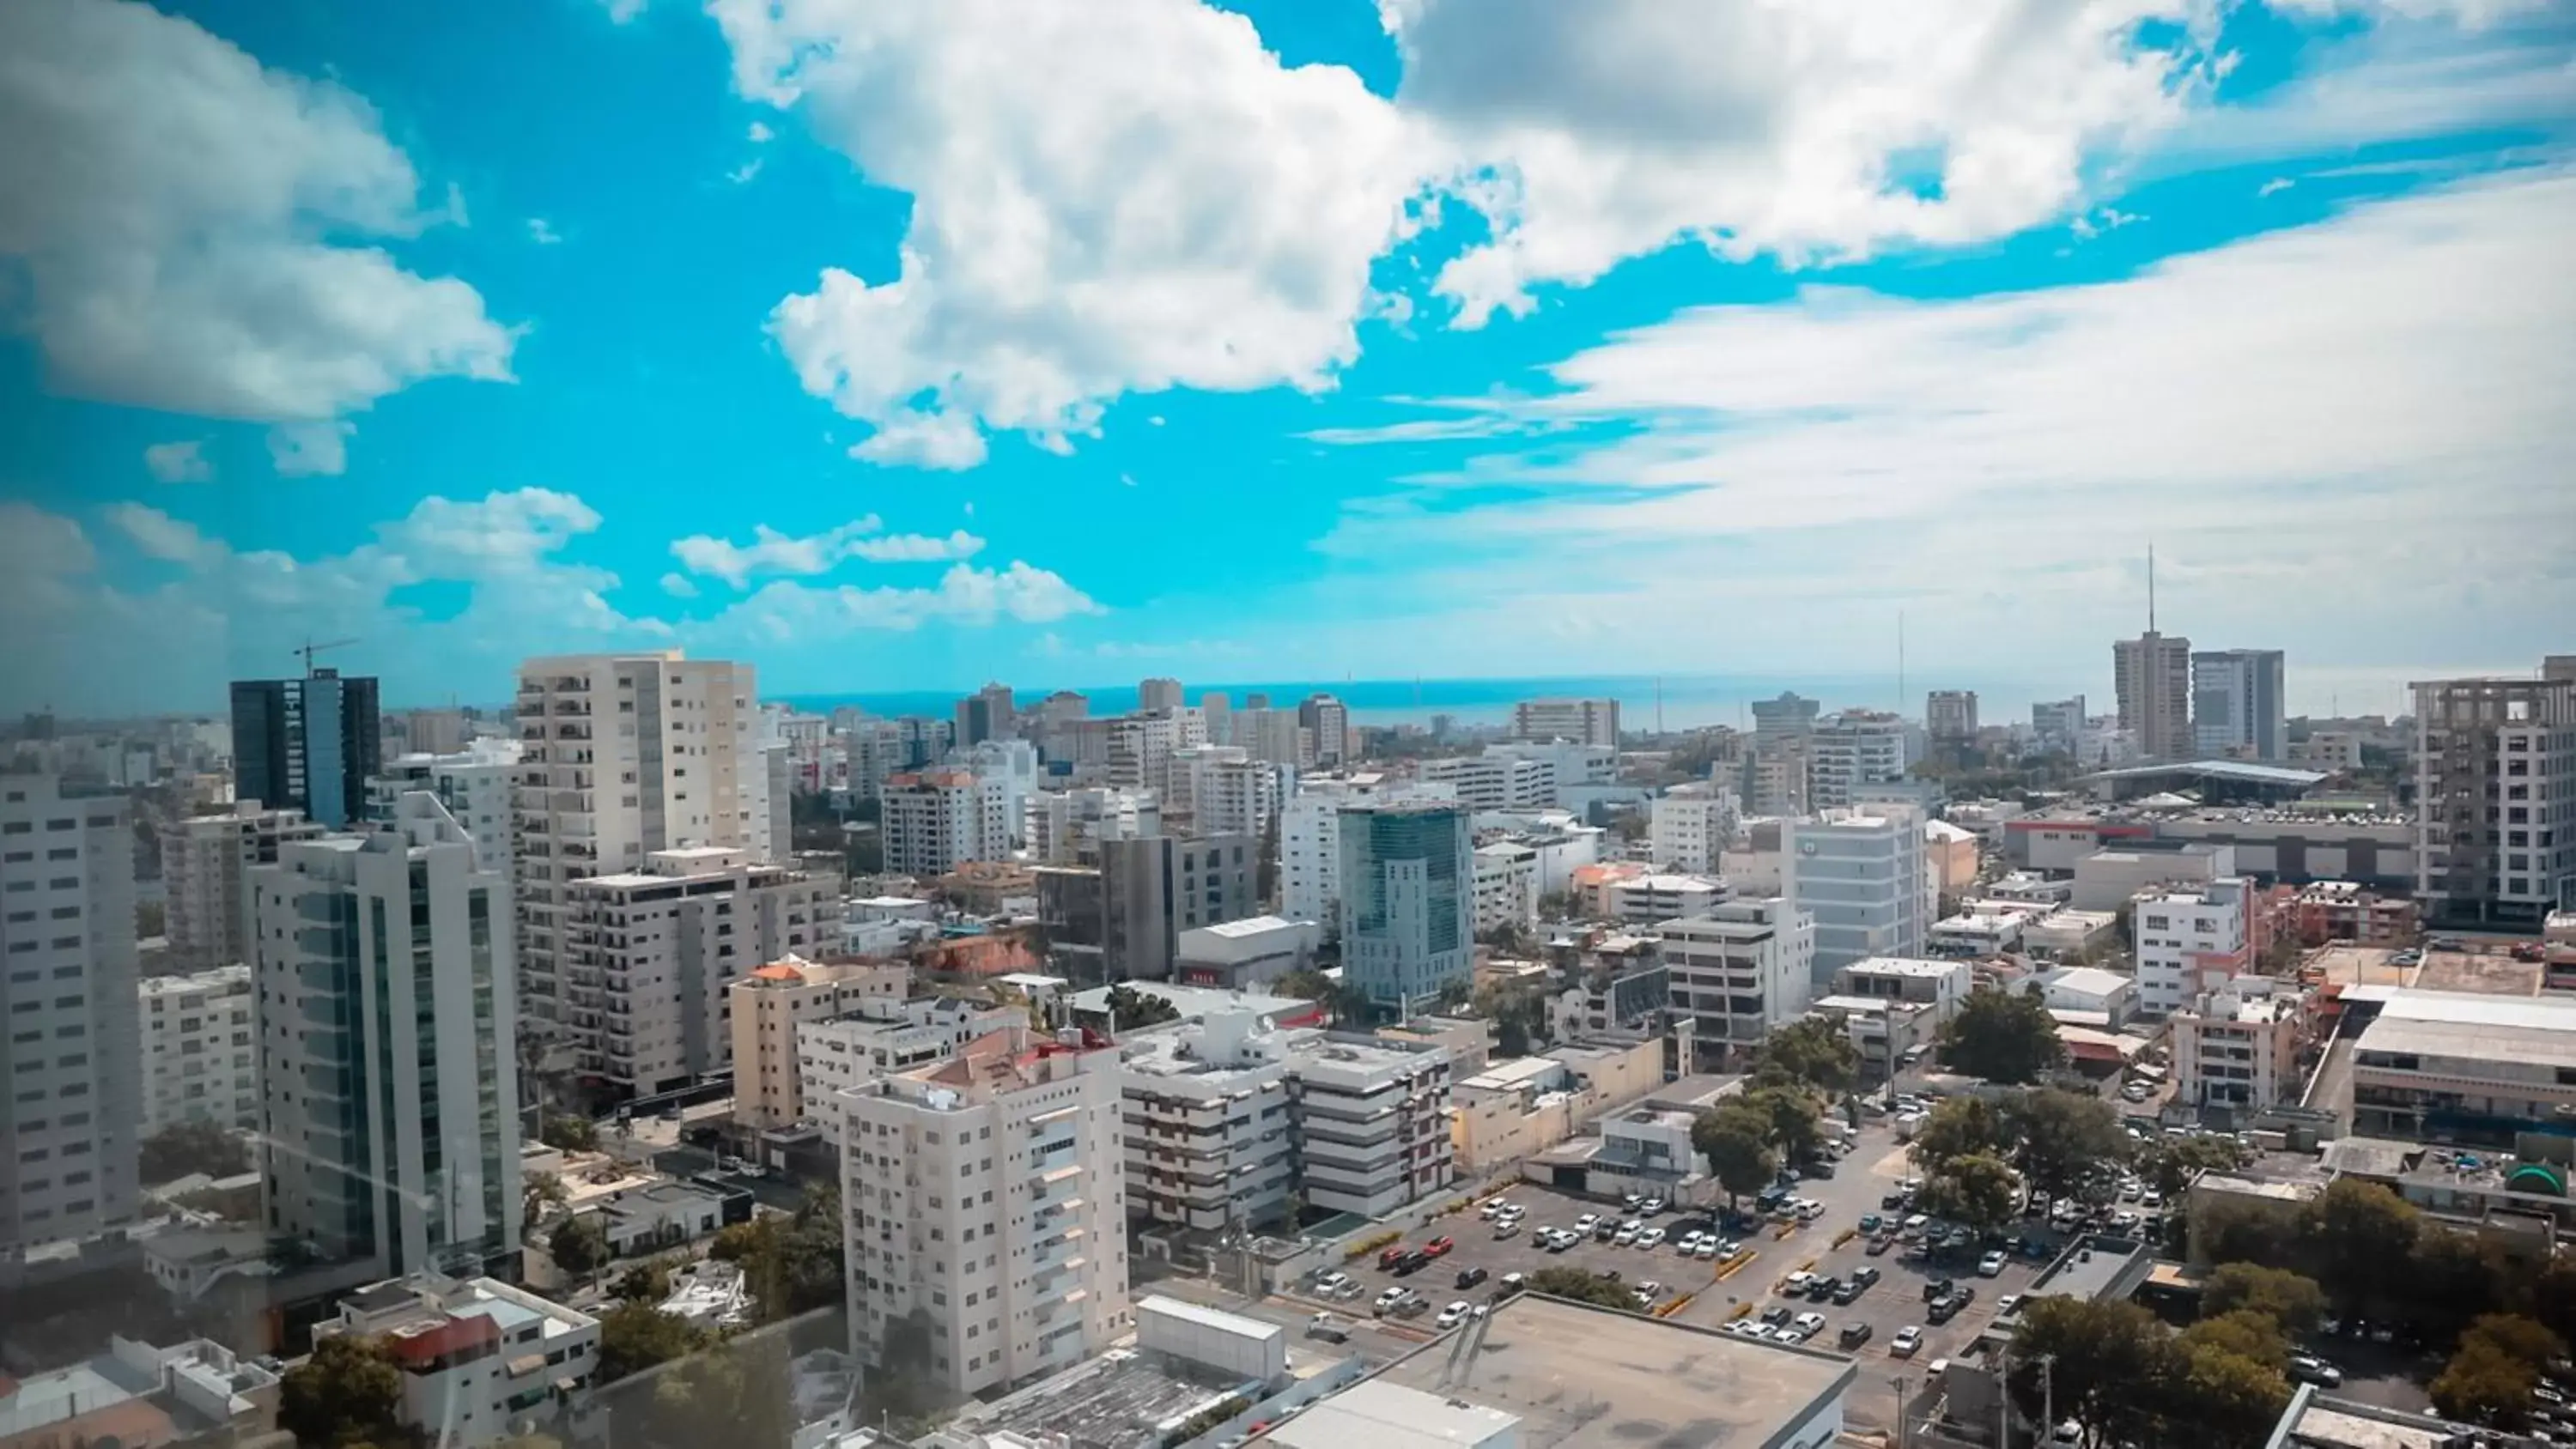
[
  {"x": 2318, "y": 1421},
  {"x": 1591, "y": 1378},
  {"x": 2239, "y": 771},
  {"x": 1196, "y": 1003},
  {"x": 2475, "y": 1027},
  {"x": 1119, "y": 1400},
  {"x": 1904, "y": 966},
  {"x": 1253, "y": 926}
]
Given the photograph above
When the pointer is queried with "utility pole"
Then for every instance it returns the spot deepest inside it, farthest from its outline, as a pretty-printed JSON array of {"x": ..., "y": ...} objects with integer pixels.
[
  {"x": 2047, "y": 1393},
  {"x": 1903, "y": 1398},
  {"x": 2003, "y": 1399}
]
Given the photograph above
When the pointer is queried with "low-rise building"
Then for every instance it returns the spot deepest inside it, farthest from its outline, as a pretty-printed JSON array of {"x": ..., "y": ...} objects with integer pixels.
[
  {"x": 660, "y": 1215},
  {"x": 2463, "y": 1066},
  {"x": 2238, "y": 1046},
  {"x": 1735, "y": 973},
  {"x": 2068, "y": 935},
  {"x": 481, "y": 1361},
  {"x": 1690, "y": 826},
  {"x": 1249, "y": 953},
  {"x": 1940, "y": 985},
  {"x": 1987, "y": 929},
  {"x": 1882, "y": 1030},
  {"x": 1620, "y": 988},
  {"x": 2342, "y": 910},
  {"x": 2109, "y": 879},
  {"x": 1210, "y": 1135},
  {"x": 2189, "y": 941},
  {"x": 1496, "y": 781},
  {"x": 2088, "y": 996},
  {"x": 1658, "y": 896},
  {"x": 766, "y": 1008},
  {"x": 137, "y": 1396},
  {"x": 1373, "y": 1123},
  {"x": 200, "y": 1052},
  {"x": 1526, "y": 1105}
]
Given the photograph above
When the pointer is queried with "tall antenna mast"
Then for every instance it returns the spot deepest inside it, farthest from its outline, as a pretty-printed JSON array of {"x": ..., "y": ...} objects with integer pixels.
[
  {"x": 2151, "y": 586},
  {"x": 1900, "y": 663}
]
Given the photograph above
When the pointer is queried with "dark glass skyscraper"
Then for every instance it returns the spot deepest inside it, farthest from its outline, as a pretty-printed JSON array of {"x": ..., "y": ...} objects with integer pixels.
[{"x": 307, "y": 744}]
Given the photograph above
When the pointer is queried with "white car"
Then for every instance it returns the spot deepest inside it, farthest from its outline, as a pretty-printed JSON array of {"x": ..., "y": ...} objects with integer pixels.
[
  {"x": 1750, "y": 1329},
  {"x": 1650, "y": 1207},
  {"x": 1809, "y": 1209},
  {"x": 1453, "y": 1315},
  {"x": 1492, "y": 1207},
  {"x": 1705, "y": 1250},
  {"x": 1506, "y": 1227},
  {"x": 1807, "y": 1322},
  {"x": 1626, "y": 1235},
  {"x": 1389, "y": 1299},
  {"x": 1907, "y": 1340},
  {"x": 1587, "y": 1222},
  {"x": 1689, "y": 1240},
  {"x": 1795, "y": 1285},
  {"x": 1650, "y": 1237}
]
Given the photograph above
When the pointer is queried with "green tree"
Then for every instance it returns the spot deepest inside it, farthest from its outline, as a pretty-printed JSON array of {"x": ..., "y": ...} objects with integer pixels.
[
  {"x": 197, "y": 1146},
  {"x": 2360, "y": 1236},
  {"x": 348, "y": 1393},
  {"x": 1811, "y": 1052},
  {"x": 734, "y": 1393},
  {"x": 579, "y": 1245},
  {"x": 1978, "y": 1190},
  {"x": 2170, "y": 1163},
  {"x": 2518, "y": 1337},
  {"x": 1959, "y": 1127},
  {"x": 2245, "y": 1333},
  {"x": 1582, "y": 1287},
  {"x": 2245, "y": 1233},
  {"x": 2067, "y": 1139},
  {"x": 2551, "y": 1296},
  {"x": 2002, "y": 1036},
  {"x": 542, "y": 1192},
  {"x": 2106, "y": 1361},
  {"x": 635, "y": 1336},
  {"x": 1738, "y": 1152},
  {"x": 1793, "y": 1124},
  {"x": 2450, "y": 1281},
  {"x": 1132, "y": 1010},
  {"x": 2210, "y": 1394},
  {"x": 1305, "y": 984},
  {"x": 2483, "y": 1384},
  {"x": 569, "y": 1132},
  {"x": 2292, "y": 1300},
  {"x": 645, "y": 1282}
]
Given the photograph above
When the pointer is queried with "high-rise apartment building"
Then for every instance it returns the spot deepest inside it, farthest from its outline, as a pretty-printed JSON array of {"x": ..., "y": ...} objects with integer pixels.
[
  {"x": 649, "y": 955},
  {"x": 205, "y": 860},
  {"x": 883, "y": 1036},
  {"x": 1140, "y": 751},
  {"x": 72, "y": 1117},
  {"x": 307, "y": 744},
  {"x": 986, "y": 1200},
  {"x": 1408, "y": 902},
  {"x": 1235, "y": 796},
  {"x": 1584, "y": 721},
  {"x": 2495, "y": 792},
  {"x": 1328, "y": 723},
  {"x": 2057, "y": 726},
  {"x": 987, "y": 714},
  {"x": 1064, "y": 827},
  {"x": 2152, "y": 675},
  {"x": 623, "y": 755},
  {"x": 478, "y": 784},
  {"x": 1690, "y": 826},
  {"x": 1158, "y": 694},
  {"x": 1274, "y": 735},
  {"x": 1780, "y": 775},
  {"x": 1735, "y": 972},
  {"x": 2237, "y": 706},
  {"x": 932, "y": 822},
  {"x": 1854, "y": 748},
  {"x": 386, "y": 1022},
  {"x": 200, "y": 1049},
  {"x": 1310, "y": 838},
  {"x": 768, "y": 1006},
  {"x": 1859, "y": 874},
  {"x": 1950, "y": 716}
]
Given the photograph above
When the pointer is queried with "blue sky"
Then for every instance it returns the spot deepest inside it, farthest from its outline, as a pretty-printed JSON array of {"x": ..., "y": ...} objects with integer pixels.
[{"x": 901, "y": 345}]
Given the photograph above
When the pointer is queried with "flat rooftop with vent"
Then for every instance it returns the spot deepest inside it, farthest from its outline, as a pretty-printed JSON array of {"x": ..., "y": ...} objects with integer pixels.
[{"x": 1541, "y": 1373}]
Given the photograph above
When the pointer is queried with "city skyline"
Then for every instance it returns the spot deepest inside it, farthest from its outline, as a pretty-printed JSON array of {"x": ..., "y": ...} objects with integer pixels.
[{"x": 1285, "y": 388}]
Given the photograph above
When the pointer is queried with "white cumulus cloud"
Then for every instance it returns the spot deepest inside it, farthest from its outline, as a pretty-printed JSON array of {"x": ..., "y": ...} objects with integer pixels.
[
  {"x": 304, "y": 450},
  {"x": 773, "y": 552},
  {"x": 1116, "y": 197},
  {"x": 965, "y": 594},
  {"x": 182, "y": 461},
  {"x": 165, "y": 195},
  {"x": 157, "y": 534}
]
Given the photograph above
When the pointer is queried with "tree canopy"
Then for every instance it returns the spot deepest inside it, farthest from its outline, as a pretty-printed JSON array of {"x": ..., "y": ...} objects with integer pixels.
[
  {"x": 1810, "y": 1052},
  {"x": 579, "y": 1245},
  {"x": 2128, "y": 1379},
  {"x": 1736, "y": 1144},
  {"x": 635, "y": 1336},
  {"x": 186, "y": 1147},
  {"x": 1960, "y": 1127},
  {"x": 348, "y": 1393},
  {"x": 1582, "y": 1287},
  {"x": 1131, "y": 1009},
  {"x": 2493, "y": 1371},
  {"x": 2293, "y": 1300},
  {"x": 2066, "y": 1139},
  {"x": 2002, "y": 1036},
  {"x": 1978, "y": 1190},
  {"x": 568, "y": 1132}
]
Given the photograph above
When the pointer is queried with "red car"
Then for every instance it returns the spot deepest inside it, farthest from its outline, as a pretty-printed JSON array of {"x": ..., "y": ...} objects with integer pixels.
[
  {"x": 1387, "y": 1260},
  {"x": 1438, "y": 1246}
]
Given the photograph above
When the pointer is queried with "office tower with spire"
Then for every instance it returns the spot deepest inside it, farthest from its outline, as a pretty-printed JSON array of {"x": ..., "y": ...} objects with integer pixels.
[{"x": 2151, "y": 675}]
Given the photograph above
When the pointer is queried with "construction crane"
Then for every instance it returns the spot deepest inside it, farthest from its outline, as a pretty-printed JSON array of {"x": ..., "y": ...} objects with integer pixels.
[{"x": 308, "y": 649}]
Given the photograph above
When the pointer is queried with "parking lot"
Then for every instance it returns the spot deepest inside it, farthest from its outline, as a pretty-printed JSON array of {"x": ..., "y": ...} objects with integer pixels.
[{"x": 1860, "y": 1182}]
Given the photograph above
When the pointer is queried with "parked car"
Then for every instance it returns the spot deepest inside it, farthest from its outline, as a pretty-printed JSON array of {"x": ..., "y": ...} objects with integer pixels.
[
  {"x": 1328, "y": 1328},
  {"x": 1453, "y": 1315},
  {"x": 1438, "y": 1246},
  {"x": 1650, "y": 1207},
  {"x": 1650, "y": 1237},
  {"x": 1991, "y": 1266},
  {"x": 1775, "y": 1316},
  {"x": 1470, "y": 1277},
  {"x": 2308, "y": 1369},
  {"x": 2005, "y": 1305},
  {"x": 1807, "y": 1322},
  {"x": 1387, "y": 1260},
  {"x": 1848, "y": 1292},
  {"x": 1795, "y": 1285},
  {"x": 1907, "y": 1340},
  {"x": 1626, "y": 1234},
  {"x": 1705, "y": 1250},
  {"x": 1587, "y": 1222},
  {"x": 1507, "y": 1228},
  {"x": 1938, "y": 1288},
  {"x": 1853, "y": 1335}
]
